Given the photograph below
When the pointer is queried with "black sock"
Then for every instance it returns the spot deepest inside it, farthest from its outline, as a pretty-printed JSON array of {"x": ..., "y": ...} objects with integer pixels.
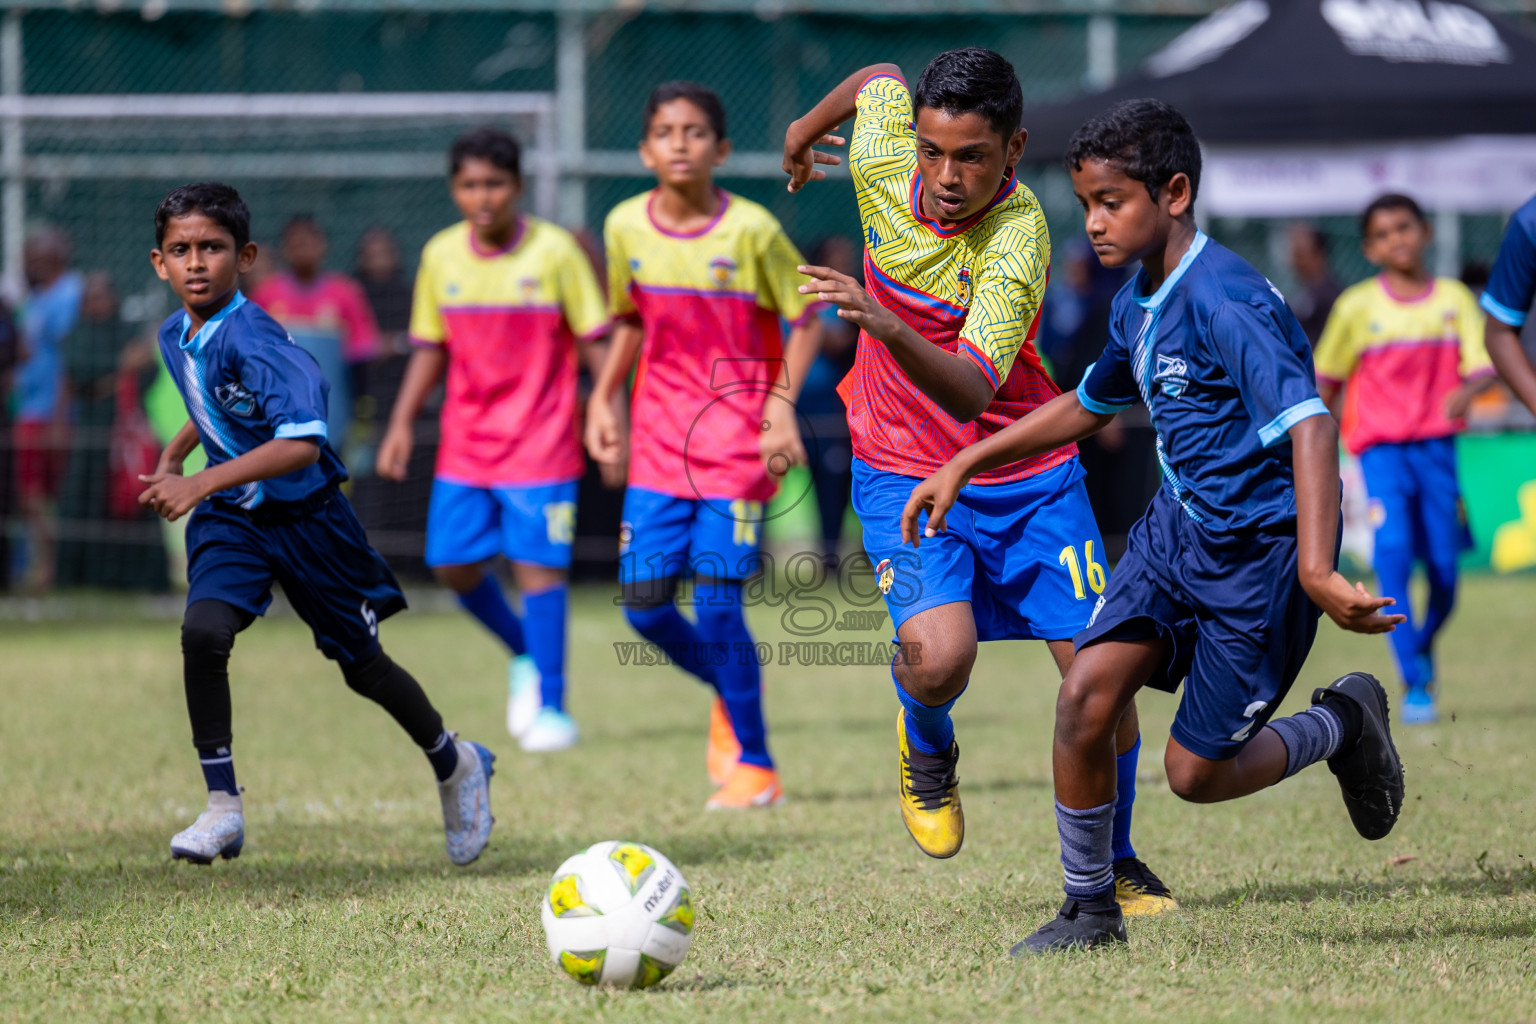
[
  {"x": 395, "y": 690},
  {"x": 207, "y": 638},
  {"x": 1350, "y": 715}
]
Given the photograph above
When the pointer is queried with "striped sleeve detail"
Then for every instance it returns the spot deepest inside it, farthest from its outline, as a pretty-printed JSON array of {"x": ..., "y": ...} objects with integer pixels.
[{"x": 1275, "y": 430}]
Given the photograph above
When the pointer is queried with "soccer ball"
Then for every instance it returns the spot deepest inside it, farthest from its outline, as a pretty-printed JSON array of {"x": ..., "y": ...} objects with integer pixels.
[{"x": 618, "y": 914}]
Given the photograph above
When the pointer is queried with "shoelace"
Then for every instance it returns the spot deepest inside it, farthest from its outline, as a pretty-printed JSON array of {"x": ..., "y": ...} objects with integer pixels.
[
  {"x": 1139, "y": 877},
  {"x": 931, "y": 777}
]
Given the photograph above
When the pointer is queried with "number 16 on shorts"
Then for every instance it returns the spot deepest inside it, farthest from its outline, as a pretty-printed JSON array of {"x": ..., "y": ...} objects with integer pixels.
[{"x": 1081, "y": 566}]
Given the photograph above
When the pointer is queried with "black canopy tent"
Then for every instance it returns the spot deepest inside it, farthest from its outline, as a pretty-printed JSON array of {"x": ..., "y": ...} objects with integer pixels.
[{"x": 1307, "y": 71}]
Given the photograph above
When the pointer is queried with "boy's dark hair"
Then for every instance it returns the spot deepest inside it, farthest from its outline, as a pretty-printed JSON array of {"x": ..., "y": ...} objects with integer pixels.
[
  {"x": 972, "y": 80},
  {"x": 302, "y": 221},
  {"x": 214, "y": 200},
  {"x": 1391, "y": 201},
  {"x": 1148, "y": 140},
  {"x": 700, "y": 96},
  {"x": 489, "y": 143}
]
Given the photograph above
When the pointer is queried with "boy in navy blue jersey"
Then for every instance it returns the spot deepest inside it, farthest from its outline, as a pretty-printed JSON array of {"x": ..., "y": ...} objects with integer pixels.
[
  {"x": 1507, "y": 300},
  {"x": 268, "y": 509},
  {"x": 1229, "y": 569}
]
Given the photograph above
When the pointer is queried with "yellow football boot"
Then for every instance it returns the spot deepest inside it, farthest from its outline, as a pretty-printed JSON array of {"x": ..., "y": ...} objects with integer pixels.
[
  {"x": 930, "y": 796},
  {"x": 1139, "y": 892}
]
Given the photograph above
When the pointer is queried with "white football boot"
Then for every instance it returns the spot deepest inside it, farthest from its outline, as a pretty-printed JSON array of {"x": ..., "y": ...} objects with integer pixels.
[
  {"x": 523, "y": 698},
  {"x": 551, "y": 730},
  {"x": 218, "y": 832},
  {"x": 466, "y": 797}
]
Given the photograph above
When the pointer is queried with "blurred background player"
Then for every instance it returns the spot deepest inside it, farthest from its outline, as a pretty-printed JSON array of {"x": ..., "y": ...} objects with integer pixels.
[
  {"x": 829, "y": 448},
  {"x": 269, "y": 509},
  {"x": 1405, "y": 350},
  {"x": 1317, "y": 290},
  {"x": 503, "y": 304},
  {"x": 956, "y": 261},
  {"x": 1230, "y": 568},
  {"x": 326, "y": 312},
  {"x": 1508, "y": 297},
  {"x": 51, "y": 311},
  {"x": 699, "y": 279}
]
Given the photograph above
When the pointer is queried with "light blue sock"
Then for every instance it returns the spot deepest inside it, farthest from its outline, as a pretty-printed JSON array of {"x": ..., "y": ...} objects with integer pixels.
[
  {"x": 1125, "y": 798},
  {"x": 1087, "y": 859},
  {"x": 544, "y": 613},
  {"x": 930, "y": 730},
  {"x": 488, "y": 603}
]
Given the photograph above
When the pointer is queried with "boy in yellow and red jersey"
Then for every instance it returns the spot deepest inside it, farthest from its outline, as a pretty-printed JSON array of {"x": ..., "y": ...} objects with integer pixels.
[
  {"x": 504, "y": 303},
  {"x": 700, "y": 281},
  {"x": 1406, "y": 349},
  {"x": 956, "y": 262}
]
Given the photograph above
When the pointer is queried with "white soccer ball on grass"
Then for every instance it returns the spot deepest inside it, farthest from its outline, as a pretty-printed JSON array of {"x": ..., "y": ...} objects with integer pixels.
[{"x": 618, "y": 914}]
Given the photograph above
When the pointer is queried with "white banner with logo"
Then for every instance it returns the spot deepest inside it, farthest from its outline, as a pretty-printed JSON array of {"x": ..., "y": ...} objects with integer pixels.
[{"x": 1470, "y": 174}]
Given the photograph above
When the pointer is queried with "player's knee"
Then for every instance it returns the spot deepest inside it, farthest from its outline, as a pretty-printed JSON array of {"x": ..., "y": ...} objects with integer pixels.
[
  {"x": 1190, "y": 778},
  {"x": 936, "y": 676},
  {"x": 209, "y": 629},
  {"x": 461, "y": 579},
  {"x": 1086, "y": 710},
  {"x": 364, "y": 674}
]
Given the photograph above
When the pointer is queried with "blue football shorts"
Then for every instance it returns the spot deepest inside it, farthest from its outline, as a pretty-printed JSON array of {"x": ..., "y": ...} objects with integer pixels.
[{"x": 467, "y": 524}]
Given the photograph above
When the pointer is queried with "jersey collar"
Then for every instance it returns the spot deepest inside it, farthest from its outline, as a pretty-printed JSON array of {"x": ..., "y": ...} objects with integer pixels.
[
  {"x": 915, "y": 203},
  {"x": 1157, "y": 298},
  {"x": 206, "y": 332},
  {"x": 519, "y": 226}
]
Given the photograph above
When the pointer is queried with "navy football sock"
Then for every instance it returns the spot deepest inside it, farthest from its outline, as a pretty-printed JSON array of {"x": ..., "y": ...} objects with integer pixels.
[
  {"x": 1315, "y": 734},
  {"x": 664, "y": 626},
  {"x": 724, "y": 626},
  {"x": 1087, "y": 859},
  {"x": 545, "y": 615},
  {"x": 218, "y": 769},
  {"x": 930, "y": 730},
  {"x": 488, "y": 603},
  {"x": 444, "y": 755},
  {"x": 1125, "y": 799}
]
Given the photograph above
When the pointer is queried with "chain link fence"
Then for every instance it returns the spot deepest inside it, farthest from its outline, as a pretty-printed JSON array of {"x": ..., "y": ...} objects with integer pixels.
[{"x": 327, "y": 144}]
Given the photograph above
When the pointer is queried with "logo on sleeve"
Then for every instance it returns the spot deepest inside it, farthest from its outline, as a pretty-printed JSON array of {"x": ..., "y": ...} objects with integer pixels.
[
  {"x": 235, "y": 398},
  {"x": 964, "y": 287},
  {"x": 1172, "y": 375}
]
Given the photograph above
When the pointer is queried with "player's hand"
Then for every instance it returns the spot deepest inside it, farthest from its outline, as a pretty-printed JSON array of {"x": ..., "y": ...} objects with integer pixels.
[
  {"x": 394, "y": 453},
  {"x": 604, "y": 434},
  {"x": 168, "y": 465},
  {"x": 937, "y": 495},
  {"x": 615, "y": 475},
  {"x": 853, "y": 303},
  {"x": 1352, "y": 607},
  {"x": 779, "y": 445},
  {"x": 171, "y": 495},
  {"x": 800, "y": 159},
  {"x": 1458, "y": 402}
]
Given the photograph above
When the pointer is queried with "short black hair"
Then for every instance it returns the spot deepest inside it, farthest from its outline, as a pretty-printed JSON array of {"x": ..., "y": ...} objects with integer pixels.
[
  {"x": 214, "y": 200},
  {"x": 703, "y": 97},
  {"x": 972, "y": 80},
  {"x": 493, "y": 145},
  {"x": 1148, "y": 140},
  {"x": 1391, "y": 201}
]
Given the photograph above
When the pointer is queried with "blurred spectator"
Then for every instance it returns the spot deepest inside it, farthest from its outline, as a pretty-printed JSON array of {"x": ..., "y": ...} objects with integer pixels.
[
  {"x": 1319, "y": 291},
  {"x": 10, "y": 352},
  {"x": 326, "y": 313},
  {"x": 53, "y": 306},
  {"x": 375, "y": 381},
  {"x": 828, "y": 446},
  {"x": 105, "y": 543}
]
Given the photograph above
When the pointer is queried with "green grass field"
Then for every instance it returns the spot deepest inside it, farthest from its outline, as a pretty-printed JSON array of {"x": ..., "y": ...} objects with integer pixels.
[{"x": 343, "y": 906}]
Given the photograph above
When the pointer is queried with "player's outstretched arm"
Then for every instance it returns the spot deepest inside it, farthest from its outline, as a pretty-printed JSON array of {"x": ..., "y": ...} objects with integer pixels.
[
  {"x": 173, "y": 495},
  {"x": 422, "y": 373},
  {"x": 1315, "y": 460},
  {"x": 605, "y": 433},
  {"x": 813, "y": 129},
  {"x": 1060, "y": 421},
  {"x": 1510, "y": 360}
]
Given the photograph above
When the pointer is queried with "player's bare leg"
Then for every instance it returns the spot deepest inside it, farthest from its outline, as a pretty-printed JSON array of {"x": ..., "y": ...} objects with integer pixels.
[{"x": 938, "y": 650}]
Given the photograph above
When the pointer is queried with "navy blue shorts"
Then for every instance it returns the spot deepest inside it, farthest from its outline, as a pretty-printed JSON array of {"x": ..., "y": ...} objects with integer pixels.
[
  {"x": 336, "y": 582},
  {"x": 1024, "y": 554},
  {"x": 1237, "y": 622}
]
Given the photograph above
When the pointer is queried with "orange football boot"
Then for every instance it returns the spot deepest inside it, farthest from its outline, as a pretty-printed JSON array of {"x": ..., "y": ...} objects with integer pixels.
[
  {"x": 749, "y": 786},
  {"x": 723, "y": 751}
]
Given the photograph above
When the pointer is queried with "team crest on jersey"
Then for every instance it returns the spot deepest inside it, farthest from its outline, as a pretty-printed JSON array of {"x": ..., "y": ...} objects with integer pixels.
[
  {"x": 530, "y": 288},
  {"x": 1172, "y": 375},
  {"x": 235, "y": 398},
  {"x": 965, "y": 286},
  {"x": 885, "y": 573},
  {"x": 721, "y": 270}
]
